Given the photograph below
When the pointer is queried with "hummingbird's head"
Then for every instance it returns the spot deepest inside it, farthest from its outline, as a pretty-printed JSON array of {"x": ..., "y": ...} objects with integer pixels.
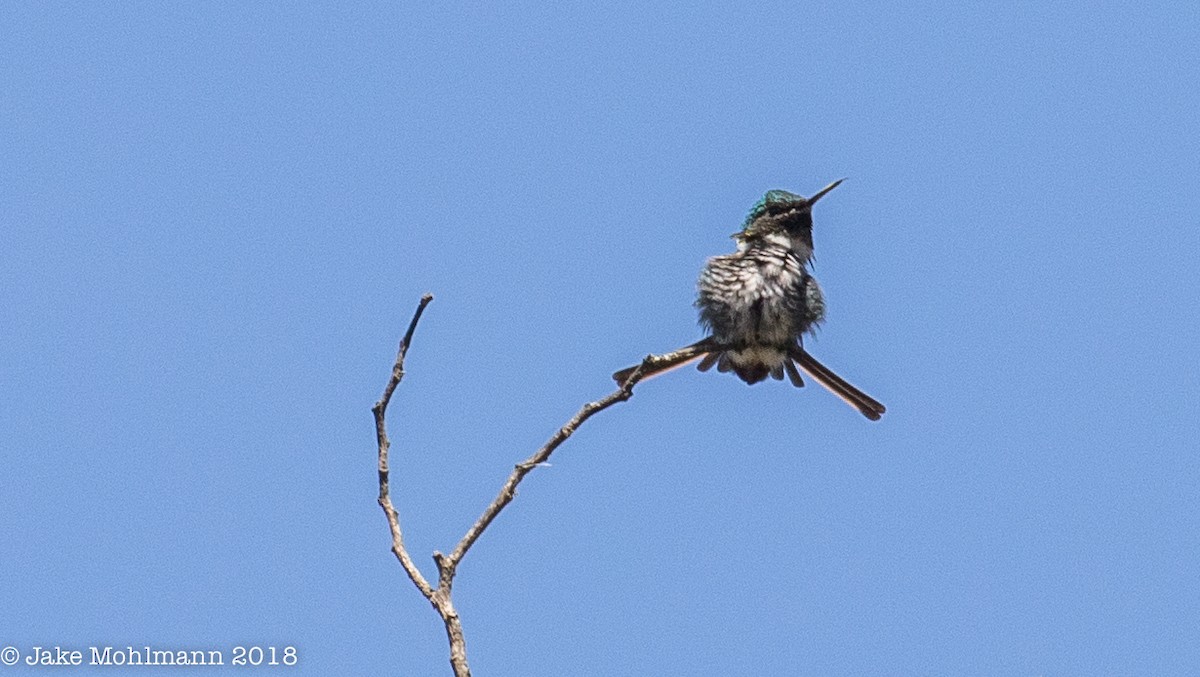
[{"x": 780, "y": 213}]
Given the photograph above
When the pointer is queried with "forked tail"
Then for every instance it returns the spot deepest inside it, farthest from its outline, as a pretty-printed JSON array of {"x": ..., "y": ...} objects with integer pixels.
[{"x": 713, "y": 353}]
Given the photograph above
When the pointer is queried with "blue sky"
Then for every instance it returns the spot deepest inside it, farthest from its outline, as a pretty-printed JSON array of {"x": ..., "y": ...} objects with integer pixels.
[{"x": 216, "y": 220}]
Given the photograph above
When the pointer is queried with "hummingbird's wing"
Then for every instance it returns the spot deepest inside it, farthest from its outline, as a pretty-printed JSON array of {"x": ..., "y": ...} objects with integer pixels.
[
  {"x": 864, "y": 403},
  {"x": 671, "y": 360}
]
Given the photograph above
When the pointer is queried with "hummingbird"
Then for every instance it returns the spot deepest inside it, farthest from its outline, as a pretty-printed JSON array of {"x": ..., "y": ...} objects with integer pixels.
[{"x": 758, "y": 303}]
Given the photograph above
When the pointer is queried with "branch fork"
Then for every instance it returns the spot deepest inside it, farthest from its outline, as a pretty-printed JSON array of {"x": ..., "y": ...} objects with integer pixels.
[{"x": 447, "y": 565}]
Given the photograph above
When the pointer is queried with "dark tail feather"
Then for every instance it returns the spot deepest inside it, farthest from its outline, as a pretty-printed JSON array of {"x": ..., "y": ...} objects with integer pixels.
[
  {"x": 754, "y": 373},
  {"x": 856, "y": 398},
  {"x": 793, "y": 375},
  {"x": 671, "y": 360}
]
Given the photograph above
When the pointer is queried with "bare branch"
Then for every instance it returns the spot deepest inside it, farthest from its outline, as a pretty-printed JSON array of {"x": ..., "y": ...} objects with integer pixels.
[
  {"x": 509, "y": 490},
  {"x": 440, "y": 596},
  {"x": 655, "y": 365},
  {"x": 385, "y": 500}
]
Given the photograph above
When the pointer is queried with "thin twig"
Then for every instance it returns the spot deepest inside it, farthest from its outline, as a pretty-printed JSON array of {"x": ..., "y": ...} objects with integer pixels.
[
  {"x": 385, "y": 500},
  {"x": 440, "y": 596},
  {"x": 509, "y": 490}
]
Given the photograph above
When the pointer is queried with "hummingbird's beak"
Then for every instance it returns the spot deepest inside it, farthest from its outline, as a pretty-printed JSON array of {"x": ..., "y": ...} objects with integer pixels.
[{"x": 813, "y": 200}]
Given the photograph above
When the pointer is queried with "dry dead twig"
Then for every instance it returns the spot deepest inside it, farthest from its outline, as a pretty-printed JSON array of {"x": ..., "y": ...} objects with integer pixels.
[{"x": 440, "y": 596}]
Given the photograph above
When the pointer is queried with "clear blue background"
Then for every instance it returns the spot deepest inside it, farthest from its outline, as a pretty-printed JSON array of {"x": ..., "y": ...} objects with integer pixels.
[{"x": 217, "y": 220}]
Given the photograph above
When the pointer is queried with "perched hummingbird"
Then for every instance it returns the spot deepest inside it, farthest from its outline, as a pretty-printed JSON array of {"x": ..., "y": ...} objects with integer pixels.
[{"x": 759, "y": 301}]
